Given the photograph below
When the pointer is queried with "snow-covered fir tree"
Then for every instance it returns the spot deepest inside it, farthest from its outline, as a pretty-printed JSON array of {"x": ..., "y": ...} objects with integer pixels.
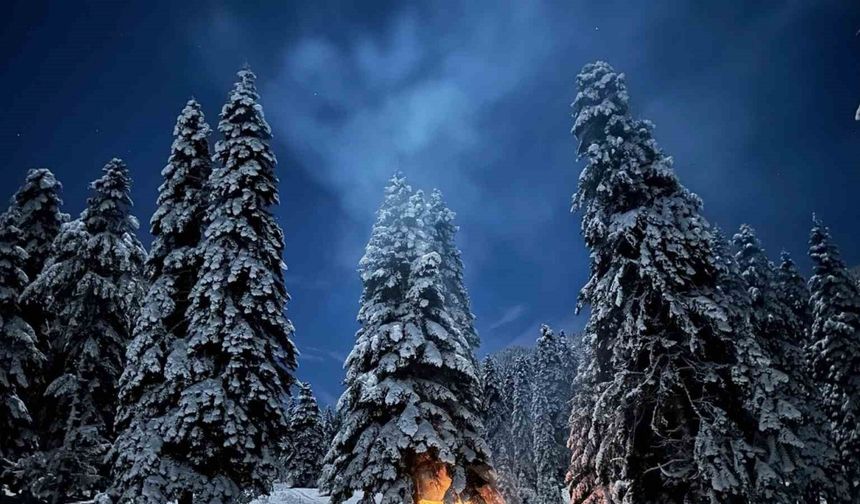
[
  {"x": 20, "y": 359},
  {"x": 330, "y": 426},
  {"x": 149, "y": 464},
  {"x": 238, "y": 359},
  {"x": 495, "y": 413},
  {"x": 459, "y": 305},
  {"x": 412, "y": 399},
  {"x": 835, "y": 349},
  {"x": 38, "y": 217},
  {"x": 805, "y": 438},
  {"x": 569, "y": 355},
  {"x": 548, "y": 400},
  {"x": 775, "y": 470},
  {"x": 516, "y": 474},
  {"x": 522, "y": 429},
  {"x": 91, "y": 286},
  {"x": 36, "y": 209},
  {"x": 793, "y": 290},
  {"x": 307, "y": 440},
  {"x": 670, "y": 366},
  {"x": 492, "y": 402},
  {"x": 828, "y": 478}
]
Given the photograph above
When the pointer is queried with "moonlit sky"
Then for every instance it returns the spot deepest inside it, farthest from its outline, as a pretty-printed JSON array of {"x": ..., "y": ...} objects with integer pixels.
[{"x": 754, "y": 99}]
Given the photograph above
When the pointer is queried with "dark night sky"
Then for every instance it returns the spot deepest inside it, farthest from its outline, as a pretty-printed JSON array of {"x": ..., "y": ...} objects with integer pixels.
[{"x": 755, "y": 100}]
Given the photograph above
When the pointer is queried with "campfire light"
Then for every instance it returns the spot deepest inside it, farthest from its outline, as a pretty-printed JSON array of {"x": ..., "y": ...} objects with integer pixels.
[{"x": 432, "y": 481}]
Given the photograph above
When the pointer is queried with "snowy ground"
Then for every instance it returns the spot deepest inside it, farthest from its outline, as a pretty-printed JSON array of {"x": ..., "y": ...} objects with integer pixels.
[{"x": 284, "y": 495}]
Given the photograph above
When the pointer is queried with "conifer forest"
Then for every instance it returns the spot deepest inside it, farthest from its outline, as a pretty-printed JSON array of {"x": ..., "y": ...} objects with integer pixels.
[{"x": 148, "y": 351}]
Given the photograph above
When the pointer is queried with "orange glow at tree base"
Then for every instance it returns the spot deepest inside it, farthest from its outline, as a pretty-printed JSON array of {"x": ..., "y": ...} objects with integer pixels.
[{"x": 432, "y": 482}]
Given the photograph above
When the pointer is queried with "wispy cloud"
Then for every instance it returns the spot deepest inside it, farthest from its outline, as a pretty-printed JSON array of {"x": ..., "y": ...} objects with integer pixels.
[
  {"x": 406, "y": 99},
  {"x": 510, "y": 315},
  {"x": 317, "y": 354}
]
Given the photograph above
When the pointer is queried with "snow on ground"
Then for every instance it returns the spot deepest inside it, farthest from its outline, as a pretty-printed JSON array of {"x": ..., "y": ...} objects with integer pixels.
[{"x": 283, "y": 495}]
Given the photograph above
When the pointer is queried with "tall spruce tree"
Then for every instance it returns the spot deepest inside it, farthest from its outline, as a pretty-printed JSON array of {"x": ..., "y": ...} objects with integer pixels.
[
  {"x": 835, "y": 349},
  {"x": 91, "y": 286},
  {"x": 496, "y": 415},
  {"x": 20, "y": 359},
  {"x": 330, "y": 425},
  {"x": 412, "y": 399},
  {"x": 793, "y": 290},
  {"x": 239, "y": 358},
  {"x": 304, "y": 463},
  {"x": 492, "y": 406},
  {"x": 805, "y": 438},
  {"x": 569, "y": 355},
  {"x": 149, "y": 455},
  {"x": 36, "y": 209},
  {"x": 459, "y": 305},
  {"x": 522, "y": 428},
  {"x": 663, "y": 412},
  {"x": 548, "y": 399}
]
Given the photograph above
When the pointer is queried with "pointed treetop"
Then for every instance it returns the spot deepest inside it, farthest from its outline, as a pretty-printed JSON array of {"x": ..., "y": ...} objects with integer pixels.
[
  {"x": 789, "y": 275},
  {"x": 42, "y": 178},
  {"x": 191, "y": 120},
  {"x": 441, "y": 213},
  {"x": 247, "y": 79},
  {"x": 603, "y": 93},
  {"x": 397, "y": 180},
  {"x": 822, "y": 250},
  {"x": 751, "y": 254},
  {"x": 39, "y": 193},
  {"x": 546, "y": 334},
  {"x": 39, "y": 217},
  {"x": 304, "y": 388},
  {"x": 397, "y": 191},
  {"x": 109, "y": 208},
  {"x": 242, "y": 116},
  {"x": 747, "y": 231},
  {"x": 785, "y": 261}
]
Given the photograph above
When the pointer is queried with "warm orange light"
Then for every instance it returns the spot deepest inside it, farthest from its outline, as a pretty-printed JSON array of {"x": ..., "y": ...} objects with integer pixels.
[{"x": 432, "y": 482}]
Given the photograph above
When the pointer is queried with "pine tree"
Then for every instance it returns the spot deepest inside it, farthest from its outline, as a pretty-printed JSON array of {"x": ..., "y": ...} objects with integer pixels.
[
  {"x": 568, "y": 353},
  {"x": 330, "y": 426},
  {"x": 459, "y": 305},
  {"x": 307, "y": 439},
  {"x": 91, "y": 286},
  {"x": 20, "y": 359},
  {"x": 670, "y": 366},
  {"x": 38, "y": 217},
  {"x": 548, "y": 400},
  {"x": 412, "y": 399},
  {"x": 807, "y": 448},
  {"x": 149, "y": 456},
  {"x": 492, "y": 402},
  {"x": 835, "y": 349},
  {"x": 793, "y": 290},
  {"x": 522, "y": 428},
  {"x": 230, "y": 418},
  {"x": 496, "y": 415}
]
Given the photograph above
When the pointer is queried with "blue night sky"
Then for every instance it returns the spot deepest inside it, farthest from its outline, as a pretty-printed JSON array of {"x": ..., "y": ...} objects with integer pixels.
[{"x": 755, "y": 100}]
